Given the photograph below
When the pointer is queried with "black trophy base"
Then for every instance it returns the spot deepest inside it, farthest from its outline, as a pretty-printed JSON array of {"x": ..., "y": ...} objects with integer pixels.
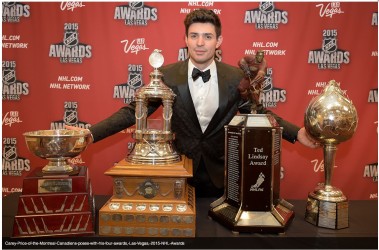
[
  {"x": 275, "y": 221},
  {"x": 327, "y": 214}
]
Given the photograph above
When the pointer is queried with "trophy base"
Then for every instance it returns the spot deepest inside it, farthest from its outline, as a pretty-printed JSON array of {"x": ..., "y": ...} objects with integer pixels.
[
  {"x": 150, "y": 201},
  {"x": 55, "y": 205},
  {"x": 327, "y": 214},
  {"x": 238, "y": 220},
  {"x": 149, "y": 218}
]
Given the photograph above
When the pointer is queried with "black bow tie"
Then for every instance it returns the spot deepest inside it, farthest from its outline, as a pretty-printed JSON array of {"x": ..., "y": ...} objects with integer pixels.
[{"x": 206, "y": 75}]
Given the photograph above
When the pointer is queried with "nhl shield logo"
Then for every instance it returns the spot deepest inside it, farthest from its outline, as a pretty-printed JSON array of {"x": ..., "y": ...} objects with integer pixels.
[
  {"x": 70, "y": 117},
  {"x": 71, "y": 38},
  {"x": 329, "y": 45},
  {"x": 267, "y": 84},
  {"x": 9, "y": 4},
  {"x": 9, "y": 76},
  {"x": 135, "y": 5},
  {"x": 9, "y": 153},
  {"x": 134, "y": 81},
  {"x": 266, "y": 7}
]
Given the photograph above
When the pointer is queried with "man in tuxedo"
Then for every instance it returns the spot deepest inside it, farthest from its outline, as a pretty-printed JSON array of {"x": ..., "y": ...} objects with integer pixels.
[{"x": 204, "y": 104}]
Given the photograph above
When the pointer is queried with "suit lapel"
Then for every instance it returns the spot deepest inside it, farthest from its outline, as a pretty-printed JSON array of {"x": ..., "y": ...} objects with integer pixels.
[
  {"x": 185, "y": 95},
  {"x": 223, "y": 100}
]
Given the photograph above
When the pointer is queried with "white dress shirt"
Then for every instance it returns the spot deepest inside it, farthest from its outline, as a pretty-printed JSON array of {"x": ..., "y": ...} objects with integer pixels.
[{"x": 204, "y": 95}]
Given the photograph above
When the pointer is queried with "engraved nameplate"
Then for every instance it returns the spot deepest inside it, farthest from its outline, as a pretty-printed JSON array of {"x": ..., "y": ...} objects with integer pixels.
[{"x": 54, "y": 186}]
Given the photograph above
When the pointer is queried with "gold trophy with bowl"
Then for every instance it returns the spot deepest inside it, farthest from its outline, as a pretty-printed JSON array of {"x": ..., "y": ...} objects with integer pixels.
[{"x": 330, "y": 118}]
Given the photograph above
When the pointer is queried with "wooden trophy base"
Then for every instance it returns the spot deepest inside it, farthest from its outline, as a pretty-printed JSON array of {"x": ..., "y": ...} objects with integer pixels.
[
  {"x": 150, "y": 201},
  {"x": 328, "y": 214},
  {"x": 55, "y": 205}
]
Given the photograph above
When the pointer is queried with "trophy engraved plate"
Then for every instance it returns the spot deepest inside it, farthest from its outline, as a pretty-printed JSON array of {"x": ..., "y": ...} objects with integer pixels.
[
  {"x": 251, "y": 201},
  {"x": 57, "y": 199},
  {"x": 151, "y": 197},
  {"x": 54, "y": 185},
  {"x": 41, "y": 182},
  {"x": 330, "y": 118}
]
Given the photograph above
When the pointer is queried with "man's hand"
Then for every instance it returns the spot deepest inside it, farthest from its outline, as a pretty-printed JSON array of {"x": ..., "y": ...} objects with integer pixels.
[
  {"x": 244, "y": 88},
  {"x": 304, "y": 138}
]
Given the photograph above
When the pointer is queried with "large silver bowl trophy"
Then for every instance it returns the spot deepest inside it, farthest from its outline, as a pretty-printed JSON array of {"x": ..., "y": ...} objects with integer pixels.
[
  {"x": 56, "y": 199},
  {"x": 57, "y": 146},
  {"x": 330, "y": 118}
]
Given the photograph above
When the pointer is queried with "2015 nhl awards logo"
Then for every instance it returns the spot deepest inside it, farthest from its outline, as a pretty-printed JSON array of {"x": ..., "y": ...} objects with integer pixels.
[
  {"x": 13, "y": 165},
  {"x": 127, "y": 90},
  {"x": 13, "y": 89},
  {"x": 271, "y": 96},
  {"x": 70, "y": 117},
  {"x": 70, "y": 50},
  {"x": 13, "y": 11},
  {"x": 329, "y": 56},
  {"x": 266, "y": 16},
  {"x": 136, "y": 14}
]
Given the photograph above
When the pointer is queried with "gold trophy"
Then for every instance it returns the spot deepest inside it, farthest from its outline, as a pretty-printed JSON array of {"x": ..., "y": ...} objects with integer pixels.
[{"x": 330, "y": 118}]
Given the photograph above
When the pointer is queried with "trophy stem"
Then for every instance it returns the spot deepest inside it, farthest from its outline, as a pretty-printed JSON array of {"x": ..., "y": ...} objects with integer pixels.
[
  {"x": 57, "y": 165},
  {"x": 329, "y": 162},
  {"x": 327, "y": 192}
]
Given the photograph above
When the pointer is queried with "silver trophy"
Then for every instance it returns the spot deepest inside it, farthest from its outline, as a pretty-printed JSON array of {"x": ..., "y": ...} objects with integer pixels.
[
  {"x": 154, "y": 146},
  {"x": 330, "y": 118},
  {"x": 57, "y": 146}
]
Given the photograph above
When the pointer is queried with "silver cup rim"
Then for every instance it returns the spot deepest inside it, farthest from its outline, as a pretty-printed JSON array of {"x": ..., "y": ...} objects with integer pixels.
[{"x": 57, "y": 133}]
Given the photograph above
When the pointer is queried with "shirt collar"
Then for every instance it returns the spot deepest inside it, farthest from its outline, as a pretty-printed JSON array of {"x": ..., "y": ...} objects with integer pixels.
[{"x": 212, "y": 67}]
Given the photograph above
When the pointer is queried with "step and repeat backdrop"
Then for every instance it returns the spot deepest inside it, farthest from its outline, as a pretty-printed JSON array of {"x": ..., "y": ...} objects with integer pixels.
[{"x": 78, "y": 62}]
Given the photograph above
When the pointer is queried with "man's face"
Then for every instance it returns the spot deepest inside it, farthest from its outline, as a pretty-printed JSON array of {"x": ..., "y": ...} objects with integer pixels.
[
  {"x": 259, "y": 57},
  {"x": 202, "y": 43}
]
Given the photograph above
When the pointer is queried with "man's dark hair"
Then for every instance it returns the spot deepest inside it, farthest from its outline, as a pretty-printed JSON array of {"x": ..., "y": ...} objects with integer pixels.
[{"x": 203, "y": 16}]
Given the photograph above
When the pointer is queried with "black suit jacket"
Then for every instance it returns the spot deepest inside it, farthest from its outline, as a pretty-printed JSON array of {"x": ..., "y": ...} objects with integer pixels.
[{"x": 189, "y": 139}]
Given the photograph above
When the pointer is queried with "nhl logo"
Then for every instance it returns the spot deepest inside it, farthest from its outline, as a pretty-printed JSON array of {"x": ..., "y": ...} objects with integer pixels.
[
  {"x": 135, "y": 5},
  {"x": 70, "y": 117},
  {"x": 134, "y": 81},
  {"x": 9, "y": 153},
  {"x": 71, "y": 38},
  {"x": 329, "y": 45},
  {"x": 266, "y": 7},
  {"x": 267, "y": 84},
  {"x": 9, "y": 4},
  {"x": 9, "y": 76}
]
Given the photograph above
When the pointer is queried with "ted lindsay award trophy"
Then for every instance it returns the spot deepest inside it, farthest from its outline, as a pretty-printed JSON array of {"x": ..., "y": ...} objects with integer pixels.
[
  {"x": 251, "y": 200},
  {"x": 57, "y": 199},
  {"x": 151, "y": 197},
  {"x": 330, "y": 118}
]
